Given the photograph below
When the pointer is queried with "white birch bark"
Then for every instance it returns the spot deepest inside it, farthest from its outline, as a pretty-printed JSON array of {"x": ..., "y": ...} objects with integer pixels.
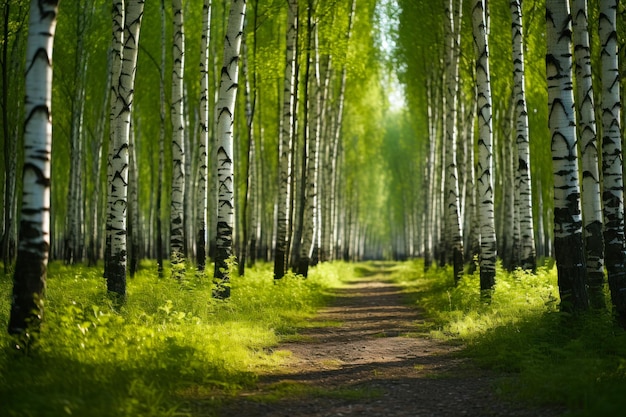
[
  {"x": 225, "y": 169},
  {"x": 201, "y": 215},
  {"x": 310, "y": 203},
  {"x": 117, "y": 50},
  {"x": 118, "y": 185},
  {"x": 591, "y": 196},
  {"x": 287, "y": 133},
  {"x": 613, "y": 190},
  {"x": 524, "y": 190},
  {"x": 568, "y": 243},
  {"x": 488, "y": 251},
  {"x": 452, "y": 211},
  {"x": 159, "y": 190},
  {"x": 429, "y": 181},
  {"x": 29, "y": 279},
  {"x": 177, "y": 209}
]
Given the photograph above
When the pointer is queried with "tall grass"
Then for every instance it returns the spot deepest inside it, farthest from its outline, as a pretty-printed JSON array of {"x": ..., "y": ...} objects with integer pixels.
[
  {"x": 171, "y": 343},
  {"x": 551, "y": 358}
]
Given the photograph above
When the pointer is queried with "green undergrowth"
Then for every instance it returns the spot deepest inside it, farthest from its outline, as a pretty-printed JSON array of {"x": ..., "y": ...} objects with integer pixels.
[
  {"x": 169, "y": 344},
  {"x": 549, "y": 357}
]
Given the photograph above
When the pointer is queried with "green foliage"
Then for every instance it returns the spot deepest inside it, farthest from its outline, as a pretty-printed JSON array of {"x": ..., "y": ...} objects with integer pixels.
[
  {"x": 552, "y": 358},
  {"x": 144, "y": 358}
]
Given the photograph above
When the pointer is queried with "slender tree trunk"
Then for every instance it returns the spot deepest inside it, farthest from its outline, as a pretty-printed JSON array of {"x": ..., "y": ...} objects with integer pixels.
[
  {"x": 591, "y": 202},
  {"x": 309, "y": 218},
  {"x": 251, "y": 211},
  {"x": 121, "y": 112},
  {"x": 177, "y": 209},
  {"x": 201, "y": 217},
  {"x": 613, "y": 190},
  {"x": 568, "y": 242},
  {"x": 117, "y": 50},
  {"x": 452, "y": 184},
  {"x": 225, "y": 165},
  {"x": 161, "y": 167},
  {"x": 286, "y": 139},
  {"x": 528, "y": 253},
  {"x": 485, "y": 150},
  {"x": 429, "y": 170},
  {"x": 29, "y": 280}
]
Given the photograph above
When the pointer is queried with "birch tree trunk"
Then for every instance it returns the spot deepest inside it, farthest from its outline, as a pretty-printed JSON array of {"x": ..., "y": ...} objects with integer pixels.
[
  {"x": 287, "y": 134},
  {"x": 201, "y": 215},
  {"x": 177, "y": 226},
  {"x": 130, "y": 21},
  {"x": 591, "y": 202},
  {"x": 159, "y": 190},
  {"x": 613, "y": 190},
  {"x": 250, "y": 218},
  {"x": 309, "y": 218},
  {"x": 568, "y": 242},
  {"x": 225, "y": 169},
  {"x": 452, "y": 212},
  {"x": 485, "y": 150},
  {"x": 29, "y": 280},
  {"x": 524, "y": 192},
  {"x": 117, "y": 50}
]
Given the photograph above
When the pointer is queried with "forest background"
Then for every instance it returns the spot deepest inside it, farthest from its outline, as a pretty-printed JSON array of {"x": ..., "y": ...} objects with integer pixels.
[{"x": 384, "y": 144}]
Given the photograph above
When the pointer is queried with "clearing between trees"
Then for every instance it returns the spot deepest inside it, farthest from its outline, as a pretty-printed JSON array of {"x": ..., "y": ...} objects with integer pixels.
[{"x": 365, "y": 356}]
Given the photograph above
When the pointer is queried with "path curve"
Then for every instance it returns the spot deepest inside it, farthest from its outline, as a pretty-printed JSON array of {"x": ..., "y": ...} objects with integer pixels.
[{"x": 374, "y": 363}]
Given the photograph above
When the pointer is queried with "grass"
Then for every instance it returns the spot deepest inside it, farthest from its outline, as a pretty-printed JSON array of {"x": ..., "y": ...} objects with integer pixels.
[
  {"x": 551, "y": 358},
  {"x": 171, "y": 341},
  {"x": 294, "y": 390}
]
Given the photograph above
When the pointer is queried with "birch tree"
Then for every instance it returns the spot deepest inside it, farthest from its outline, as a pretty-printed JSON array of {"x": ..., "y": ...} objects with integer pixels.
[
  {"x": 287, "y": 132},
  {"x": 309, "y": 218},
  {"x": 159, "y": 190},
  {"x": 591, "y": 200},
  {"x": 568, "y": 243},
  {"x": 225, "y": 166},
  {"x": 523, "y": 182},
  {"x": 125, "y": 63},
  {"x": 613, "y": 189},
  {"x": 201, "y": 215},
  {"x": 29, "y": 279},
  {"x": 177, "y": 231},
  {"x": 452, "y": 212},
  {"x": 485, "y": 150}
]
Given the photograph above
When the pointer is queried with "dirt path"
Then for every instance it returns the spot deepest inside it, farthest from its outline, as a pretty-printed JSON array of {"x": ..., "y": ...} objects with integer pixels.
[{"x": 373, "y": 363}]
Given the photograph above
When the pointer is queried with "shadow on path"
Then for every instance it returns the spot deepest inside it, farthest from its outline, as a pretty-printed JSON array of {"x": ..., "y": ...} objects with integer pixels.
[{"x": 374, "y": 364}]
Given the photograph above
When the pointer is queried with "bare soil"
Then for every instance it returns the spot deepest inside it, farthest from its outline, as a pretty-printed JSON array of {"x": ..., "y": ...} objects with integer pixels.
[{"x": 374, "y": 362}]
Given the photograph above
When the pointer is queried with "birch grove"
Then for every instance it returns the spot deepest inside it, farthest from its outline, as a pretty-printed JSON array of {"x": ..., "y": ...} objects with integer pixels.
[{"x": 366, "y": 130}]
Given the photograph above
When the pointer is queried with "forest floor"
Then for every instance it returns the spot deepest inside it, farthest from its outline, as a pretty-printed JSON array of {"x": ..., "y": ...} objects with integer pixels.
[{"x": 365, "y": 356}]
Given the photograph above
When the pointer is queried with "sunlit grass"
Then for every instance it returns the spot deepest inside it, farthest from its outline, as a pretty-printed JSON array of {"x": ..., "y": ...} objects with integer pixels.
[
  {"x": 551, "y": 357},
  {"x": 170, "y": 337}
]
